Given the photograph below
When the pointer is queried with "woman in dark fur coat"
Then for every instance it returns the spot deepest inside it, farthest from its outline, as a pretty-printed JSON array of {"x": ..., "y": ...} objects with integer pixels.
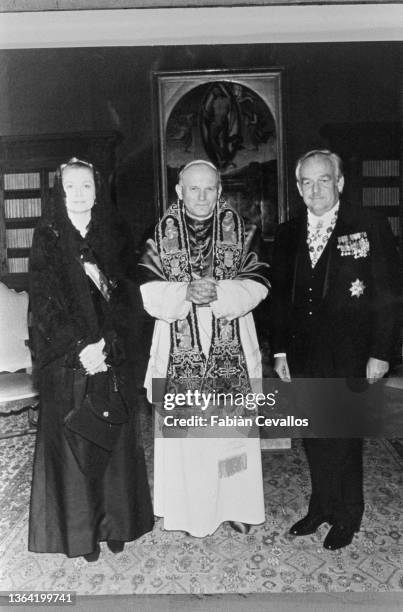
[{"x": 89, "y": 479}]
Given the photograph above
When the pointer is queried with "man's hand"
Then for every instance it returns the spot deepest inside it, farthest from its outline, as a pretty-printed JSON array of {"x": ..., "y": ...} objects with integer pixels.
[
  {"x": 92, "y": 357},
  {"x": 202, "y": 291},
  {"x": 376, "y": 369},
  {"x": 281, "y": 368}
]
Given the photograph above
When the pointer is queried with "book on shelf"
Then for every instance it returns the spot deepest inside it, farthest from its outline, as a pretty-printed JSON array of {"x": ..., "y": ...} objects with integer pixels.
[
  {"x": 380, "y": 167},
  {"x": 380, "y": 196},
  {"x": 19, "y": 208},
  {"x": 20, "y": 238},
  {"x": 18, "y": 265},
  {"x": 395, "y": 225},
  {"x": 22, "y": 180}
]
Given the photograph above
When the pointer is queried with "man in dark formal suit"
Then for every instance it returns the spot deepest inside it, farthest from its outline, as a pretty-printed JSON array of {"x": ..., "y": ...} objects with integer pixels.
[{"x": 335, "y": 285}]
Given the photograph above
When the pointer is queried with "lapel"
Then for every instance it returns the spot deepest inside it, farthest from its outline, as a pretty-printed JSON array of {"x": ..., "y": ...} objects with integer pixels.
[{"x": 299, "y": 247}]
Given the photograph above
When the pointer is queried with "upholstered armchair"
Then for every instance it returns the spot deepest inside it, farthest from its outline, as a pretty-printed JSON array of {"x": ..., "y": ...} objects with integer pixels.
[{"x": 17, "y": 392}]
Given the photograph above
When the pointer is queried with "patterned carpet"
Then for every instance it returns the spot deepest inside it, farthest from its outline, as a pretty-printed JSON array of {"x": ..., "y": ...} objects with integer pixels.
[{"x": 267, "y": 560}]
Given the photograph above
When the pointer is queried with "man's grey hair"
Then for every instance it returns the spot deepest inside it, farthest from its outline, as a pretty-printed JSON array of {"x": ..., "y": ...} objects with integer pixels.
[
  {"x": 333, "y": 157},
  {"x": 199, "y": 162}
]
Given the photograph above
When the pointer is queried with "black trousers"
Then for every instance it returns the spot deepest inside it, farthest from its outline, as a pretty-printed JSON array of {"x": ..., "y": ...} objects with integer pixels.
[
  {"x": 335, "y": 463},
  {"x": 337, "y": 480}
]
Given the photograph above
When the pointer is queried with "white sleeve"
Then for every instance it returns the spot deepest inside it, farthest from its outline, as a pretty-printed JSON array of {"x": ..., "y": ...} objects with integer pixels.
[
  {"x": 235, "y": 298},
  {"x": 165, "y": 300}
]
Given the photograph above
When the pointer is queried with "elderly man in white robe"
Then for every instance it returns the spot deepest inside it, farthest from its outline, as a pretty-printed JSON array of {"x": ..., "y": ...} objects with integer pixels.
[{"x": 201, "y": 285}]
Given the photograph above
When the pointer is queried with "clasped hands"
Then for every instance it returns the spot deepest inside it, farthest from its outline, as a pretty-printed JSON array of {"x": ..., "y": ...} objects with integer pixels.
[
  {"x": 201, "y": 290},
  {"x": 92, "y": 357}
]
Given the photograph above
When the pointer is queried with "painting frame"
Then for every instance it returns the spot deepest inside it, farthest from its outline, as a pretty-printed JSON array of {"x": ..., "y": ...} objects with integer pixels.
[{"x": 265, "y": 84}]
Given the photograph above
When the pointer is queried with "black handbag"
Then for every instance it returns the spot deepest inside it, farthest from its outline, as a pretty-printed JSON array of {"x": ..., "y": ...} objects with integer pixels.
[{"x": 99, "y": 414}]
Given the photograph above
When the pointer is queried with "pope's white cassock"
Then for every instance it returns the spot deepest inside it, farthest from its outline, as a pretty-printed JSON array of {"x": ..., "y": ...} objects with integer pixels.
[{"x": 189, "y": 491}]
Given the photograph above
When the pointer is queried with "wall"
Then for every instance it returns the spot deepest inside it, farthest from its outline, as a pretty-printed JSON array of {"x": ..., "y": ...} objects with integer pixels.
[{"x": 66, "y": 90}]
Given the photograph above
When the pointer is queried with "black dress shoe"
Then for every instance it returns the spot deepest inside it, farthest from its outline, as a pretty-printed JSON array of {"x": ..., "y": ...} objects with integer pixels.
[
  {"x": 307, "y": 525},
  {"x": 115, "y": 546},
  {"x": 94, "y": 555},
  {"x": 243, "y": 528},
  {"x": 339, "y": 536}
]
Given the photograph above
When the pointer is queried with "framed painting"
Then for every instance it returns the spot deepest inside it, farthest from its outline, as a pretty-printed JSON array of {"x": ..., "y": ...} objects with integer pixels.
[{"x": 233, "y": 119}]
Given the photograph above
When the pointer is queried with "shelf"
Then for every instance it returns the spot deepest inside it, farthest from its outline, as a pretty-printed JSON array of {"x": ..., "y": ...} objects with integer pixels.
[
  {"x": 20, "y": 252},
  {"x": 21, "y": 194},
  {"x": 380, "y": 181},
  {"x": 388, "y": 209},
  {"x": 15, "y": 223}
]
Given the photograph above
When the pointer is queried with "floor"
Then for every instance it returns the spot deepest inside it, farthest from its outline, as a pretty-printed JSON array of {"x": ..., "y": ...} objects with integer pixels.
[{"x": 171, "y": 571}]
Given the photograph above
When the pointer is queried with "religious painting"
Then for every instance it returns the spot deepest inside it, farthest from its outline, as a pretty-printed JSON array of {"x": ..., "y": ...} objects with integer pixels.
[{"x": 233, "y": 119}]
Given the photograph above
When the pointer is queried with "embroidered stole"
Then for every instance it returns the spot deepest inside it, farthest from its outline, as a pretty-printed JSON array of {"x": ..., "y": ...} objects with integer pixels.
[{"x": 225, "y": 366}]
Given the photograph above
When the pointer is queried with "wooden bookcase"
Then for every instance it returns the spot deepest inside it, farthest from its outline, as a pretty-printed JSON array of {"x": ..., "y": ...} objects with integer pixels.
[
  {"x": 380, "y": 189},
  {"x": 373, "y": 167},
  {"x": 23, "y": 194},
  {"x": 27, "y": 166}
]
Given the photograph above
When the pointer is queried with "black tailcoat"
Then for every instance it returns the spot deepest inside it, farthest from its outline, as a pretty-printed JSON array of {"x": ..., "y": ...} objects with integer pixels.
[{"x": 327, "y": 331}]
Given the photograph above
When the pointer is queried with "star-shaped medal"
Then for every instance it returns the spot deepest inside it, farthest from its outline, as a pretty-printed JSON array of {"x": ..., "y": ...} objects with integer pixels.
[{"x": 357, "y": 288}]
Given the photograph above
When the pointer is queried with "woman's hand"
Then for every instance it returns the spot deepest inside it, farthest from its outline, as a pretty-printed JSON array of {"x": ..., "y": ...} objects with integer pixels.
[{"x": 93, "y": 358}]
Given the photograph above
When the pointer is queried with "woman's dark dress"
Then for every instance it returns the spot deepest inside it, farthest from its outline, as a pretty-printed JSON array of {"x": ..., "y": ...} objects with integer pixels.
[{"x": 70, "y": 511}]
